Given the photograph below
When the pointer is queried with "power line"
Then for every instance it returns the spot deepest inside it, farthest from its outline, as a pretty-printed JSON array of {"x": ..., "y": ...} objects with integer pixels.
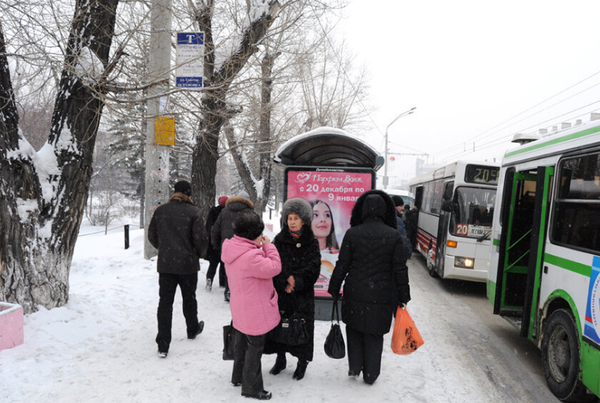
[
  {"x": 527, "y": 117},
  {"x": 497, "y": 142}
]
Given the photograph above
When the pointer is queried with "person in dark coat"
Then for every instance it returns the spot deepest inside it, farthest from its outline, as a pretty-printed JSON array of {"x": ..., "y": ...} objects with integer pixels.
[
  {"x": 301, "y": 265},
  {"x": 372, "y": 261},
  {"x": 223, "y": 227},
  {"x": 212, "y": 254},
  {"x": 411, "y": 221},
  {"x": 399, "y": 203},
  {"x": 177, "y": 230}
]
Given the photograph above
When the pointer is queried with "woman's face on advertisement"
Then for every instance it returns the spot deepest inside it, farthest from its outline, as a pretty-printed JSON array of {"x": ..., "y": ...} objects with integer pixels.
[{"x": 321, "y": 221}]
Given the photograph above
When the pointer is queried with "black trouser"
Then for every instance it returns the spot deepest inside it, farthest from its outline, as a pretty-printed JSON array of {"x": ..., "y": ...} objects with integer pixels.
[
  {"x": 364, "y": 353},
  {"x": 247, "y": 367},
  {"x": 212, "y": 270},
  {"x": 167, "y": 287}
]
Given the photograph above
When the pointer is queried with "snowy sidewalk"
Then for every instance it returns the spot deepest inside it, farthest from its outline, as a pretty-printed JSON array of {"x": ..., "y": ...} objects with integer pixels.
[{"x": 100, "y": 348}]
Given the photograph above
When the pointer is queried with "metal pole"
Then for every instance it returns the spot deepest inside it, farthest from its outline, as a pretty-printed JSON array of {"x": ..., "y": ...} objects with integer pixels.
[
  {"x": 157, "y": 157},
  {"x": 385, "y": 152},
  {"x": 126, "y": 232}
]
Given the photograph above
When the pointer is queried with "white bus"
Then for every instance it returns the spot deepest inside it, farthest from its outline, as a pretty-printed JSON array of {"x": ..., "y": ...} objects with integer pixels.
[
  {"x": 545, "y": 258},
  {"x": 455, "y": 206}
]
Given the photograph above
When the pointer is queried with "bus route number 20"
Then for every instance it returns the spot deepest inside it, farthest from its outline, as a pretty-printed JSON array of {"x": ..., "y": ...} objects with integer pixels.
[{"x": 462, "y": 229}]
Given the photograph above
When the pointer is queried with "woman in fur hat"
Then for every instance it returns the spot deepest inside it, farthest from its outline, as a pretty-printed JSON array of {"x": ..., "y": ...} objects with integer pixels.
[{"x": 301, "y": 264}]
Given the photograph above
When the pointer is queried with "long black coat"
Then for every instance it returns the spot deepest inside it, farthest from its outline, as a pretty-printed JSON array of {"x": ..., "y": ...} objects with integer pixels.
[
  {"x": 300, "y": 258},
  {"x": 372, "y": 260},
  {"x": 177, "y": 231},
  {"x": 223, "y": 227},
  {"x": 213, "y": 214}
]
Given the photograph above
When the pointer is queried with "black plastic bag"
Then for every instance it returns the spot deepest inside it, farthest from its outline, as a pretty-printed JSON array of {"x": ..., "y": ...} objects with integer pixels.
[{"x": 334, "y": 343}]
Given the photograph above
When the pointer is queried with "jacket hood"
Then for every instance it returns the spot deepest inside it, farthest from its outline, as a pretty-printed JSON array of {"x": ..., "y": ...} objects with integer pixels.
[
  {"x": 239, "y": 199},
  {"x": 235, "y": 247},
  {"x": 374, "y": 203},
  {"x": 374, "y": 206}
]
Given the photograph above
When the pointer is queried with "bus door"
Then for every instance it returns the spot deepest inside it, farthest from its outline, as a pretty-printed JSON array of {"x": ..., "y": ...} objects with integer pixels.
[
  {"x": 442, "y": 233},
  {"x": 524, "y": 218}
]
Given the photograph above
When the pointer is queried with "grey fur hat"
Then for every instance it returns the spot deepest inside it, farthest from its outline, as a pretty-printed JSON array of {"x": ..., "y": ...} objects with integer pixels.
[{"x": 300, "y": 207}]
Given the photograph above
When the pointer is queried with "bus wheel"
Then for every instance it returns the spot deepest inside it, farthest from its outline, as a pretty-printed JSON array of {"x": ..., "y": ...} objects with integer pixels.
[
  {"x": 432, "y": 271},
  {"x": 560, "y": 357}
]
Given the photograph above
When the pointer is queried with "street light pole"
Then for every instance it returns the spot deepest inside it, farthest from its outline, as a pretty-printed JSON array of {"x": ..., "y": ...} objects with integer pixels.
[{"x": 385, "y": 172}]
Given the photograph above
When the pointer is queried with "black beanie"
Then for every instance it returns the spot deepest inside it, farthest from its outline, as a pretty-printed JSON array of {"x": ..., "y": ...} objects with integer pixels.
[
  {"x": 183, "y": 187},
  {"x": 398, "y": 200}
]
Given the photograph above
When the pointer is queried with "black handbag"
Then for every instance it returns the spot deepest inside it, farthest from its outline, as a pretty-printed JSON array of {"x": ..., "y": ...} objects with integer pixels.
[
  {"x": 292, "y": 329},
  {"x": 334, "y": 343},
  {"x": 228, "y": 342}
]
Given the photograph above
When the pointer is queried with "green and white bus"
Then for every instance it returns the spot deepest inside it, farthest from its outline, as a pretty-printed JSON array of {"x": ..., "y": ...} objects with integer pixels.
[{"x": 545, "y": 259}]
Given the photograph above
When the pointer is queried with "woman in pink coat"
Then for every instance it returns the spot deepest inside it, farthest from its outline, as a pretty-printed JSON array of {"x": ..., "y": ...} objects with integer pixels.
[{"x": 251, "y": 262}]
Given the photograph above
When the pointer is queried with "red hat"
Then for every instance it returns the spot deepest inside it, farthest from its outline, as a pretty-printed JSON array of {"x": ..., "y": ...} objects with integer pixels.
[{"x": 222, "y": 200}]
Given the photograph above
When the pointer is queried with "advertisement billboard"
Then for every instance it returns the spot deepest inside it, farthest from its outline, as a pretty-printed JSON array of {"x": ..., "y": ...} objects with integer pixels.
[{"x": 332, "y": 193}]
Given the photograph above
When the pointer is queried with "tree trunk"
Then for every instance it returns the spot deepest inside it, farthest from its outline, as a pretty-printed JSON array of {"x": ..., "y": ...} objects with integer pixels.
[
  {"x": 46, "y": 192},
  {"x": 265, "y": 152},
  {"x": 241, "y": 165},
  {"x": 214, "y": 112}
]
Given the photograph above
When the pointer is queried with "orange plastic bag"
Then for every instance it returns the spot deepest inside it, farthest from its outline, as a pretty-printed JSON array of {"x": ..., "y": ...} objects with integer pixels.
[{"x": 406, "y": 338}]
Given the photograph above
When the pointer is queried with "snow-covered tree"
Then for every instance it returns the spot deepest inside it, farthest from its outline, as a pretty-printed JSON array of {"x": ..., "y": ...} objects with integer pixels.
[{"x": 43, "y": 193}]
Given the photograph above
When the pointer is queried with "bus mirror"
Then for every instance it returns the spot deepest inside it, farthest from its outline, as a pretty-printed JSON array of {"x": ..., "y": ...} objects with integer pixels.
[
  {"x": 447, "y": 205},
  {"x": 447, "y": 192}
]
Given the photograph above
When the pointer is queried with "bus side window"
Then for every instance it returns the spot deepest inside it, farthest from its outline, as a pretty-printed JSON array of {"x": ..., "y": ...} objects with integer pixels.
[{"x": 577, "y": 208}]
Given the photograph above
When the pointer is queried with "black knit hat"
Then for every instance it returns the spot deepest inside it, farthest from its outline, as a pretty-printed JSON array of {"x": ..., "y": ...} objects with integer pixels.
[
  {"x": 398, "y": 200},
  {"x": 248, "y": 225},
  {"x": 183, "y": 187}
]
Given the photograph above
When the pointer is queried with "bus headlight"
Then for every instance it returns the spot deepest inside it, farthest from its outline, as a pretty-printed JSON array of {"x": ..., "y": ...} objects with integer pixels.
[{"x": 464, "y": 262}]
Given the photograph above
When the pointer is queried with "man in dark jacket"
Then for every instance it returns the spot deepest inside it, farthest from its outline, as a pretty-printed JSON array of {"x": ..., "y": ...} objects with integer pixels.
[
  {"x": 372, "y": 261},
  {"x": 223, "y": 227},
  {"x": 399, "y": 203},
  {"x": 177, "y": 230},
  {"x": 213, "y": 255},
  {"x": 411, "y": 221}
]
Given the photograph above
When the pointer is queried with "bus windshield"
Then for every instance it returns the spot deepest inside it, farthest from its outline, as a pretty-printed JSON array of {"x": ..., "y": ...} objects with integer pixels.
[{"x": 472, "y": 212}]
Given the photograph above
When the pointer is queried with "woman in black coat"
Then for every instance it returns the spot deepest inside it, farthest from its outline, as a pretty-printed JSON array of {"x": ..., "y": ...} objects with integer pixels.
[
  {"x": 372, "y": 260},
  {"x": 300, "y": 268}
]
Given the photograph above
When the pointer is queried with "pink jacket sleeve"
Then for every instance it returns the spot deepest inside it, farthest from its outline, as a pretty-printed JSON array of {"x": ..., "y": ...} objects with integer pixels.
[{"x": 266, "y": 263}]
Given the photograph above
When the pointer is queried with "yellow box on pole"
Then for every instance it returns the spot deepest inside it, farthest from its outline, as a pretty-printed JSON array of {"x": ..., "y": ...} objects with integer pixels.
[{"x": 164, "y": 131}]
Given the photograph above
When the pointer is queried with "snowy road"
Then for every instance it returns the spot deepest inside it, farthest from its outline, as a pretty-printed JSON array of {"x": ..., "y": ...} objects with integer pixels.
[{"x": 484, "y": 345}]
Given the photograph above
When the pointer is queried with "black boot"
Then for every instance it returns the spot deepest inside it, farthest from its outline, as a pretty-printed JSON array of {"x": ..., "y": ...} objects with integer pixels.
[
  {"x": 300, "y": 370},
  {"x": 280, "y": 364}
]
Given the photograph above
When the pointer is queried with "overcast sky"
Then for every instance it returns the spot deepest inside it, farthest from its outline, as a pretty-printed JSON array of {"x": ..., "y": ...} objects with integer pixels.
[{"x": 477, "y": 71}]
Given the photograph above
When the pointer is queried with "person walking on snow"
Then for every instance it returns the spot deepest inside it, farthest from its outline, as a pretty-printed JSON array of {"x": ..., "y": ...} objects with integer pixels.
[
  {"x": 223, "y": 227},
  {"x": 177, "y": 230},
  {"x": 213, "y": 255}
]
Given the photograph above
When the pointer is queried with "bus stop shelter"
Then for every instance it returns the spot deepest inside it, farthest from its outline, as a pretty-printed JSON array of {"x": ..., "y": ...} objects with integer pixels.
[{"x": 332, "y": 167}]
